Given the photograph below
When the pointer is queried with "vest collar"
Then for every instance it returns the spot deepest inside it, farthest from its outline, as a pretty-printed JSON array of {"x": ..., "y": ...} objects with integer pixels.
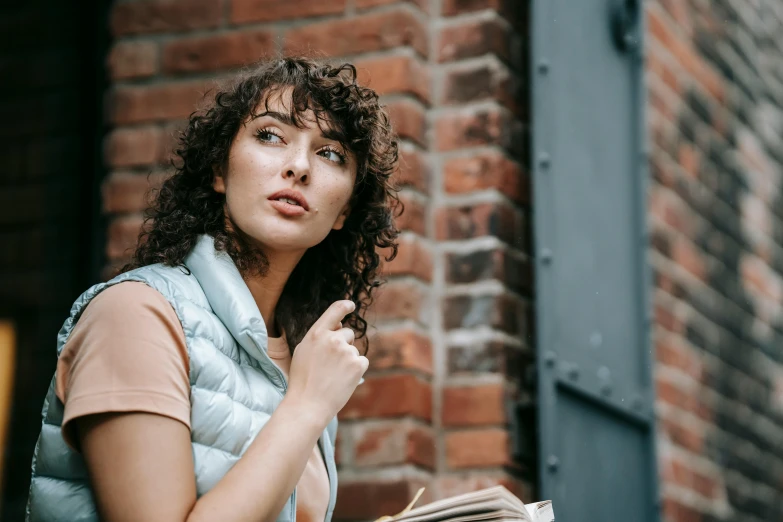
[{"x": 230, "y": 298}]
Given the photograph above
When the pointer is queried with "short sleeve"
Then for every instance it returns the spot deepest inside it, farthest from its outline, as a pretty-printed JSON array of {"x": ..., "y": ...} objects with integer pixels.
[{"x": 126, "y": 353}]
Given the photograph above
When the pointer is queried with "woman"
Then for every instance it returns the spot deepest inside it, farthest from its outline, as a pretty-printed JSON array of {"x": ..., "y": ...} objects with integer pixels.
[{"x": 203, "y": 382}]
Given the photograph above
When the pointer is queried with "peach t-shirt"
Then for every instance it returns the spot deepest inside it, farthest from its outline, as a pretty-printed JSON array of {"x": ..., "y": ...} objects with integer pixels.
[{"x": 127, "y": 353}]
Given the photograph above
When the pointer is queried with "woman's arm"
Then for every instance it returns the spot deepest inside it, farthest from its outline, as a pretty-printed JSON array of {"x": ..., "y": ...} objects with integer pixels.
[
  {"x": 141, "y": 464},
  {"x": 141, "y": 467}
]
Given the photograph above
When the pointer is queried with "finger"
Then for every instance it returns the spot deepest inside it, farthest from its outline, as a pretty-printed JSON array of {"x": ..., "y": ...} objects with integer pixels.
[
  {"x": 348, "y": 334},
  {"x": 332, "y": 317},
  {"x": 365, "y": 363}
]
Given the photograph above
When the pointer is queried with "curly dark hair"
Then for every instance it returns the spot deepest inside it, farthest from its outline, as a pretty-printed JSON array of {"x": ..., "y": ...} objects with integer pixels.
[{"x": 345, "y": 265}]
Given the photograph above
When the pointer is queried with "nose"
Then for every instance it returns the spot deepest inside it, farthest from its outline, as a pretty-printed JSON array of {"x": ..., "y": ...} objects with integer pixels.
[{"x": 298, "y": 166}]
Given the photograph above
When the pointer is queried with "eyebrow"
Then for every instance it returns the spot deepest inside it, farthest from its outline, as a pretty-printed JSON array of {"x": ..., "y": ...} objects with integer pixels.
[{"x": 279, "y": 116}]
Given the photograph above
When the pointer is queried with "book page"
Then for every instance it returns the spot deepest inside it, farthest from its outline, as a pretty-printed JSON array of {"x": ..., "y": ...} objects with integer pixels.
[
  {"x": 483, "y": 502},
  {"x": 541, "y": 511}
]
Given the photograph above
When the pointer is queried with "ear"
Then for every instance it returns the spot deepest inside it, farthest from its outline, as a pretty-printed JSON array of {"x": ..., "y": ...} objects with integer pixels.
[
  {"x": 340, "y": 222},
  {"x": 218, "y": 181}
]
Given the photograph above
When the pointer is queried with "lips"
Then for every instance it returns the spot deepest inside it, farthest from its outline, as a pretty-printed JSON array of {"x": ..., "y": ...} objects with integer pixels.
[
  {"x": 289, "y": 203},
  {"x": 290, "y": 197}
]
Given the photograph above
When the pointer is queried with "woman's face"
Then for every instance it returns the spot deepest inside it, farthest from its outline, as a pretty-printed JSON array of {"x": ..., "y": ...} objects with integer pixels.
[{"x": 286, "y": 188}]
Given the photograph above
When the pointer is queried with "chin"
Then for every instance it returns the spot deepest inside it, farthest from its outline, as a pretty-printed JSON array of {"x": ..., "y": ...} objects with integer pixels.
[{"x": 287, "y": 241}]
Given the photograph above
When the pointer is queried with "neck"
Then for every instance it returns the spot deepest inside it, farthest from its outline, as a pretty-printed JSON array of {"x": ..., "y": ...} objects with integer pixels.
[{"x": 266, "y": 289}]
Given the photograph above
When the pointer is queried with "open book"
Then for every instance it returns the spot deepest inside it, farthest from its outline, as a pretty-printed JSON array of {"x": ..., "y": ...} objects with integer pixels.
[{"x": 495, "y": 504}]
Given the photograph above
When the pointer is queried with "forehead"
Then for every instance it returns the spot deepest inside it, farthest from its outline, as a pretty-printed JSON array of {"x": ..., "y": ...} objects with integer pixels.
[{"x": 299, "y": 112}]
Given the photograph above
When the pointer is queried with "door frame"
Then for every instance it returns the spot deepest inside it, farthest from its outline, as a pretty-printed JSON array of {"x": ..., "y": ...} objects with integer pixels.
[{"x": 542, "y": 104}]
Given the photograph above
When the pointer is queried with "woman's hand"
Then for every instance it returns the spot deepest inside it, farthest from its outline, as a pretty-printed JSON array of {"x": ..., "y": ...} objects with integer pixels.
[{"x": 326, "y": 367}]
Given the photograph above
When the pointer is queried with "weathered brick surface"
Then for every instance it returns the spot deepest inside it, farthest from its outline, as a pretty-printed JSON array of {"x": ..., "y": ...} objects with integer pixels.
[
  {"x": 480, "y": 448},
  {"x": 715, "y": 204},
  {"x": 212, "y": 53},
  {"x": 366, "y": 33},
  {"x": 458, "y": 292}
]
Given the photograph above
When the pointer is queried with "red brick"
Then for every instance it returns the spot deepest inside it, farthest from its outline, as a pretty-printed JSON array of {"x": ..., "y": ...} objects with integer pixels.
[
  {"x": 671, "y": 394},
  {"x": 685, "y": 254},
  {"x": 502, "y": 312},
  {"x": 474, "y": 37},
  {"x": 683, "y": 435},
  {"x": 482, "y": 448},
  {"x": 370, "y": 499},
  {"x": 244, "y": 11},
  {"x": 413, "y": 216},
  {"x": 667, "y": 319},
  {"x": 408, "y": 120},
  {"x": 485, "y": 170},
  {"x": 222, "y": 51},
  {"x": 362, "y": 34},
  {"x": 133, "y": 59},
  {"x": 474, "y": 405},
  {"x": 680, "y": 13},
  {"x": 474, "y": 127},
  {"x": 487, "y": 357},
  {"x": 479, "y": 265},
  {"x": 705, "y": 485},
  {"x": 478, "y": 82},
  {"x": 157, "y": 102},
  {"x": 684, "y": 53},
  {"x": 678, "y": 512},
  {"x": 368, "y": 4},
  {"x": 401, "y": 349},
  {"x": 390, "y": 396},
  {"x": 399, "y": 443},
  {"x": 670, "y": 209},
  {"x": 485, "y": 219},
  {"x": 413, "y": 169},
  {"x": 138, "y": 146},
  {"x": 676, "y": 355},
  {"x": 413, "y": 258},
  {"x": 155, "y": 16},
  {"x": 125, "y": 192},
  {"x": 123, "y": 235},
  {"x": 399, "y": 300},
  {"x": 395, "y": 75}
]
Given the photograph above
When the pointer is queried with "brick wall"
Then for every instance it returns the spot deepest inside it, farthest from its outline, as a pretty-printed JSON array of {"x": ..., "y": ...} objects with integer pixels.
[
  {"x": 452, "y": 325},
  {"x": 715, "y": 77}
]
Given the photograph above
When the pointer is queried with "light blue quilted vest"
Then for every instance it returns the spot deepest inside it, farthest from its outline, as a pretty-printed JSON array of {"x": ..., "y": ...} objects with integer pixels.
[{"x": 234, "y": 386}]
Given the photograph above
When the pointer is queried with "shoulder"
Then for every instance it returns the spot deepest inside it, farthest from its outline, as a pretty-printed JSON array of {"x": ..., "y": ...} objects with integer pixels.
[
  {"x": 127, "y": 306},
  {"x": 123, "y": 301},
  {"x": 175, "y": 283}
]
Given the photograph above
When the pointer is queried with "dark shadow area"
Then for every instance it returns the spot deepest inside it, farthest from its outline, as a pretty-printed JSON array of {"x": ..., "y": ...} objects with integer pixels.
[{"x": 52, "y": 66}]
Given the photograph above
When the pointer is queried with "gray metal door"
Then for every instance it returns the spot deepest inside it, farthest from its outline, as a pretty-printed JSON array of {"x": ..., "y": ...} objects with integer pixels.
[{"x": 596, "y": 419}]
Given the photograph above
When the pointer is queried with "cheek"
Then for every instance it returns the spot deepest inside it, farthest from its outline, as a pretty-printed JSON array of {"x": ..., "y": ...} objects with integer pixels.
[{"x": 339, "y": 198}]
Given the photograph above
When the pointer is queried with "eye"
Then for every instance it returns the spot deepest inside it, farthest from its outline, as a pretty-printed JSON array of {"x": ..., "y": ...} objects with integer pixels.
[
  {"x": 268, "y": 136},
  {"x": 332, "y": 155}
]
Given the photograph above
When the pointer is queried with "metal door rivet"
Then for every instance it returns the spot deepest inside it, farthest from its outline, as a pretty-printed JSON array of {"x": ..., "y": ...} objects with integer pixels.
[
  {"x": 543, "y": 66},
  {"x": 544, "y": 160},
  {"x": 553, "y": 463},
  {"x": 546, "y": 256},
  {"x": 550, "y": 358}
]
